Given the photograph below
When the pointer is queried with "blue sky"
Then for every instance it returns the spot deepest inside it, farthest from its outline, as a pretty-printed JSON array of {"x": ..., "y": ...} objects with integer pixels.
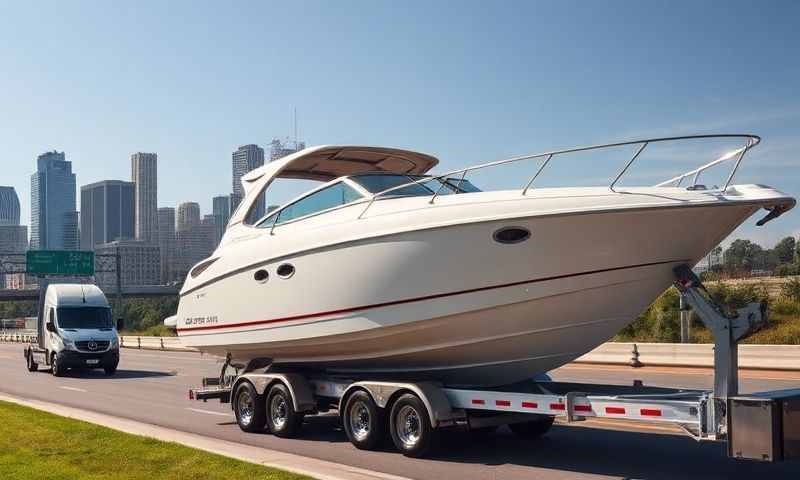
[{"x": 466, "y": 81}]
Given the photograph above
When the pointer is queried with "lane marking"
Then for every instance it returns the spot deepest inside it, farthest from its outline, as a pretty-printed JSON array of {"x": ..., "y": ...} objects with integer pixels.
[
  {"x": 209, "y": 412},
  {"x": 73, "y": 389}
]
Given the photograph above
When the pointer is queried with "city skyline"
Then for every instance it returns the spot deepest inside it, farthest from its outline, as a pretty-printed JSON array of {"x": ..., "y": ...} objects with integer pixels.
[{"x": 455, "y": 86}]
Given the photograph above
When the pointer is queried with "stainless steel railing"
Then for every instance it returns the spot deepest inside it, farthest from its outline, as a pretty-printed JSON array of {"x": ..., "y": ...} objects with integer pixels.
[{"x": 738, "y": 154}]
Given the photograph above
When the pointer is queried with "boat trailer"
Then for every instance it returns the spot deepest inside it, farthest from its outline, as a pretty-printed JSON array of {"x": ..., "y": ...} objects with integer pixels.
[{"x": 763, "y": 426}]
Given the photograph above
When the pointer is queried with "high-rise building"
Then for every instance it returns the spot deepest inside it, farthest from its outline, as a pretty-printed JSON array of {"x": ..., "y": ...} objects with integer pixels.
[
  {"x": 166, "y": 243},
  {"x": 188, "y": 216},
  {"x": 144, "y": 175},
  {"x": 139, "y": 262},
  {"x": 222, "y": 213},
  {"x": 9, "y": 206},
  {"x": 54, "y": 219},
  {"x": 281, "y": 148},
  {"x": 194, "y": 244},
  {"x": 246, "y": 158},
  {"x": 106, "y": 212}
]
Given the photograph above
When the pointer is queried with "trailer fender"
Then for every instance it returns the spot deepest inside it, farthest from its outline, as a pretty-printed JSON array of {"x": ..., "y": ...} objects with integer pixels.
[
  {"x": 302, "y": 393},
  {"x": 432, "y": 396}
]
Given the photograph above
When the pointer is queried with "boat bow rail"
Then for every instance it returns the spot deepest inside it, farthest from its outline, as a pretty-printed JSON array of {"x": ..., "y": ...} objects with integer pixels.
[{"x": 459, "y": 175}]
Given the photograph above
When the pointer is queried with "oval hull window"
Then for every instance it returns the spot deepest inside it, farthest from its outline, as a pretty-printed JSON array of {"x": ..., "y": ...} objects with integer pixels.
[
  {"x": 261, "y": 276},
  {"x": 511, "y": 235},
  {"x": 285, "y": 270}
]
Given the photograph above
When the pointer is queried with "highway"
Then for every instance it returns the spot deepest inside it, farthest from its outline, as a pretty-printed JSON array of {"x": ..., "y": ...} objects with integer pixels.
[{"x": 152, "y": 387}]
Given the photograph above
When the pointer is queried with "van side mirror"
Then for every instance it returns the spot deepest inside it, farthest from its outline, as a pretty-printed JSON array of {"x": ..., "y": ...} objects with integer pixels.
[
  {"x": 120, "y": 324},
  {"x": 50, "y": 326}
]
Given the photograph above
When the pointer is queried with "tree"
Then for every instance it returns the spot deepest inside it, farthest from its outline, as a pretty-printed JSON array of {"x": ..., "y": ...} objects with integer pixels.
[
  {"x": 744, "y": 255},
  {"x": 785, "y": 250}
]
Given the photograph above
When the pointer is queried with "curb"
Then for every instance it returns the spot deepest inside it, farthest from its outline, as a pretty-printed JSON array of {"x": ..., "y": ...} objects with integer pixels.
[{"x": 319, "y": 469}]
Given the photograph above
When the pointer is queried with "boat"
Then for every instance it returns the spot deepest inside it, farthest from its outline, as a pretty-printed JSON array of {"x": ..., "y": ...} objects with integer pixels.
[{"x": 387, "y": 271}]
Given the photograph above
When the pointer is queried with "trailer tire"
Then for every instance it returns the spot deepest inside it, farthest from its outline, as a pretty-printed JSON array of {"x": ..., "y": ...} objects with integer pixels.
[
  {"x": 533, "y": 428},
  {"x": 283, "y": 421},
  {"x": 32, "y": 366},
  {"x": 249, "y": 408},
  {"x": 57, "y": 369},
  {"x": 410, "y": 426},
  {"x": 363, "y": 421}
]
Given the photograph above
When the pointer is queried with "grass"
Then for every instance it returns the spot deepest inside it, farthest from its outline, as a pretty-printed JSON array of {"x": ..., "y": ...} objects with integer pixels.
[
  {"x": 40, "y": 445},
  {"x": 154, "y": 331}
]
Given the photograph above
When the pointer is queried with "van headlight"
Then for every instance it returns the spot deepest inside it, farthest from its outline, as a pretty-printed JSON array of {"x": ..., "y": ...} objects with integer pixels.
[
  {"x": 115, "y": 342},
  {"x": 68, "y": 344}
]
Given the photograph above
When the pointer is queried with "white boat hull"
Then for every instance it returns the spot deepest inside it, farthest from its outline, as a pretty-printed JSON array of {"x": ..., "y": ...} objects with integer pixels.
[{"x": 449, "y": 302}]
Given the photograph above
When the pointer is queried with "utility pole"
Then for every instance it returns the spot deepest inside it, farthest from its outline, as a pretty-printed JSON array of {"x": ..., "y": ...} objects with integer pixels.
[{"x": 685, "y": 324}]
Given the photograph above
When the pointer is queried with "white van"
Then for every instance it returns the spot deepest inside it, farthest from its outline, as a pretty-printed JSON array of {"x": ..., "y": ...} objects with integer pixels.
[{"x": 75, "y": 331}]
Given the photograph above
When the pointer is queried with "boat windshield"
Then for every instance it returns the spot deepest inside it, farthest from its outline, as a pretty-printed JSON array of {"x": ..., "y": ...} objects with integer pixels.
[
  {"x": 84, "y": 317},
  {"x": 378, "y": 182},
  {"x": 322, "y": 200}
]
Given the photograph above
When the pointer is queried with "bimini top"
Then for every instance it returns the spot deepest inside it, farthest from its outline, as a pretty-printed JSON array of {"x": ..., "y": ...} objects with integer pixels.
[{"x": 327, "y": 162}]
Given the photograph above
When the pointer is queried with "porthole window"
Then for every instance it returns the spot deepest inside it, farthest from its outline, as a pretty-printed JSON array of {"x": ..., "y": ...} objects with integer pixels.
[
  {"x": 261, "y": 276},
  {"x": 286, "y": 270},
  {"x": 511, "y": 235}
]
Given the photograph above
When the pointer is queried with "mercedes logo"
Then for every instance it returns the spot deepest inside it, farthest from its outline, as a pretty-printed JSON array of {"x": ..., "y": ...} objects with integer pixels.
[{"x": 92, "y": 345}]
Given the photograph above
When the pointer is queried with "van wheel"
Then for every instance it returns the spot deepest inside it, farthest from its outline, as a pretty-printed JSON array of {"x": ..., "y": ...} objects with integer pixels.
[
  {"x": 32, "y": 366},
  {"x": 363, "y": 421},
  {"x": 282, "y": 419},
  {"x": 57, "y": 369},
  {"x": 248, "y": 406},
  {"x": 533, "y": 428},
  {"x": 110, "y": 370},
  {"x": 410, "y": 426}
]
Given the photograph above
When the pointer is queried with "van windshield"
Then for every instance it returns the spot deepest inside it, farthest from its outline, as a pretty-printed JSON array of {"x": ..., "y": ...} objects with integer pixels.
[{"x": 84, "y": 317}]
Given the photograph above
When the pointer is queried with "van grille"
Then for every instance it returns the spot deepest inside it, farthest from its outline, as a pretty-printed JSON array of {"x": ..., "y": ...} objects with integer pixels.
[{"x": 92, "y": 345}]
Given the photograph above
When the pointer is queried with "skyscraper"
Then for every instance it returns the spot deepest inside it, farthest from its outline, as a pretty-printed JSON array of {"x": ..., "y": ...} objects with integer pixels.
[
  {"x": 13, "y": 236},
  {"x": 144, "y": 175},
  {"x": 166, "y": 243},
  {"x": 106, "y": 212},
  {"x": 279, "y": 148},
  {"x": 246, "y": 158},
  {"x": 188, "y": 216},
  {"x": 54, "y": 223},
  {"x": 222, "y": 213},
  {"x": 9, "y": 206}
]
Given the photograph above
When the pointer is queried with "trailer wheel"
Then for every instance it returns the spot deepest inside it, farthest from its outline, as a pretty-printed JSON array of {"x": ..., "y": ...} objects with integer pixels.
[
  {"x": 56, "y": 367},
  {"x": 363, "y": 421},
  {"x": 249, "y": 408},
  {"x": 32, "y": 366},
  {"x": 410, "y": 426},
  {"x": 282, "y": 419},
  {"x": 533, "y": 428}
]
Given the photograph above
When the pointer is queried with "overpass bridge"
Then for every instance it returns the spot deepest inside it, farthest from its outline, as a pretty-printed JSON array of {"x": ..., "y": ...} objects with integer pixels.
[{"x": 127, "y": 292}]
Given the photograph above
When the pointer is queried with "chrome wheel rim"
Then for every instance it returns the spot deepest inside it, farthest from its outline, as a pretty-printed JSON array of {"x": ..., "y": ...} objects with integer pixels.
[
  {"x": 407, "y": 424},
  {"x": 360, "y": 420},
  {"x": 245, "y": 407},
  {"x": 278, "y": 411}
]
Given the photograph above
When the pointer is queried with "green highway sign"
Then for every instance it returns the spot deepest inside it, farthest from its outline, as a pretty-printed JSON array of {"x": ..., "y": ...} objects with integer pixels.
[{"x": 60, "y": 262}]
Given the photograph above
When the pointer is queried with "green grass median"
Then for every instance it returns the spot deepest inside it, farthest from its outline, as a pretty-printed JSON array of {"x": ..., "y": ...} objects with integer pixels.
[{"x": 40, "y": 445}]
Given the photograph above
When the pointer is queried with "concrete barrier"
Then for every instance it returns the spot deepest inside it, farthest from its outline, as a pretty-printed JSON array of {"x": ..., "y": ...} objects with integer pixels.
[{"x": 770, "y": 357}]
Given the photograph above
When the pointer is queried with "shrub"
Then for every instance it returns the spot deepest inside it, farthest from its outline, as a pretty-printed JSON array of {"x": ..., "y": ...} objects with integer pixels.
[{"x": 791, "y": 289}]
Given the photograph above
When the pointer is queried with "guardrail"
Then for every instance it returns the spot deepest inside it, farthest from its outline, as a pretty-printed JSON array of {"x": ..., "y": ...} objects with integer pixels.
[
  {"x": 154, "y": 343},
  {"x": 765, "y": 357}
]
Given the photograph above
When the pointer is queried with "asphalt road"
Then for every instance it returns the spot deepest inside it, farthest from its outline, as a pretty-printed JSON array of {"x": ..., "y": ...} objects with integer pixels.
[{"x": 152, "y": 387}]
